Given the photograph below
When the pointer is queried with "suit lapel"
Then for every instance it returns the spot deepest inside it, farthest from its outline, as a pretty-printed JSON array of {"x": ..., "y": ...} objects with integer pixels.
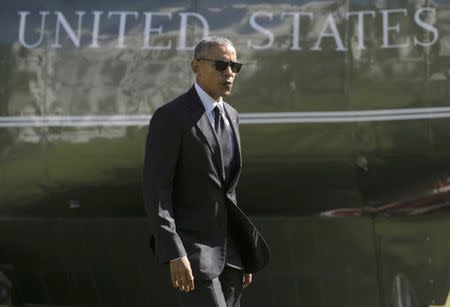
[
  {"x": 204, "y": 125},
  {"x": 232, "y": 118}
]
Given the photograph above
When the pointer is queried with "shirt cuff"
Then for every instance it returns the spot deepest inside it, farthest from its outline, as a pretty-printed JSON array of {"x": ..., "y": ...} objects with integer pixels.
[{"x": 175, "y": 259}]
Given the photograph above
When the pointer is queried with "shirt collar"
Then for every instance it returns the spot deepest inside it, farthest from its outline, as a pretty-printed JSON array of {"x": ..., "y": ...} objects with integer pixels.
[{"x": 208, "y": 102}]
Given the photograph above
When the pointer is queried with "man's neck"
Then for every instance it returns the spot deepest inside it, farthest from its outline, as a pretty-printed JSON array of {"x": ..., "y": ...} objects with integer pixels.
[{"x": 216, "y": 99}]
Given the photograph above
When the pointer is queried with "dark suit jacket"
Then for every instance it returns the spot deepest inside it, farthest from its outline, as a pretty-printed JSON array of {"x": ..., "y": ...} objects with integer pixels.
[{"x": 190, "y": 206}]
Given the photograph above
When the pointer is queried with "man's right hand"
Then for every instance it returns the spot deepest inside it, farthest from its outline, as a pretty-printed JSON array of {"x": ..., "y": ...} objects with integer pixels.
[{"x": 181, "y": 274}]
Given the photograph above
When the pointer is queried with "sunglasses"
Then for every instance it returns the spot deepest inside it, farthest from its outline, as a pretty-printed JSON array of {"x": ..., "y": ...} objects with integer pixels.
[{"x": 222, "y": 65}]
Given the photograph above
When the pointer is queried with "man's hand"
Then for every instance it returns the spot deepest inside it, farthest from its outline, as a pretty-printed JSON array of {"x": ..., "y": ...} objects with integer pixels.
[
  {"x": 181, "y": 274},
  {"x": 247, "y": 279}
]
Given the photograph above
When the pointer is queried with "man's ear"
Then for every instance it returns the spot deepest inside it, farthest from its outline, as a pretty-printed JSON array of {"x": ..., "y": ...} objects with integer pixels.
[{"x": 195, "y": 67}]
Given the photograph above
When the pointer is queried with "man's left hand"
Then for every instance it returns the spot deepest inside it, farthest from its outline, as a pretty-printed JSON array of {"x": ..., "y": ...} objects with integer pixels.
[{"x": 247, "y": 279}]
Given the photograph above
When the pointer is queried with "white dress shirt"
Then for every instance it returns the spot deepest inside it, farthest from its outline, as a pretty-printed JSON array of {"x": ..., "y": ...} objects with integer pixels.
[{"x": 209, "y": 104}]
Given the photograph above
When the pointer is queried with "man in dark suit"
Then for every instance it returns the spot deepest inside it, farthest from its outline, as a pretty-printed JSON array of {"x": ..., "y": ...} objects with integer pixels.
[{"x": 192, "y": 166}]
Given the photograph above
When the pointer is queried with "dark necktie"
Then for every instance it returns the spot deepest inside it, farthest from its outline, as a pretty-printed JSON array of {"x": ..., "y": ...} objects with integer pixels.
[
  {"x": 233, "y": 258},
  {"x": 223, "y": 136}
]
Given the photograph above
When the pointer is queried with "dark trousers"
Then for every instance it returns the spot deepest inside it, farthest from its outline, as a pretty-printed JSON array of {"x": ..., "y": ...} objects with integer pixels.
[{"x": 223, "y": 291}]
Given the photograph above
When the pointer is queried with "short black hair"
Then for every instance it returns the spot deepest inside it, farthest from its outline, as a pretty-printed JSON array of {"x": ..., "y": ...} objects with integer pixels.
[{"x": 203, "y": 46}]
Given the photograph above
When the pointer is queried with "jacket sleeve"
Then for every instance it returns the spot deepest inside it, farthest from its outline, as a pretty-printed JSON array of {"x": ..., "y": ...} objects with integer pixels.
[{"x": 161, "y": 155}]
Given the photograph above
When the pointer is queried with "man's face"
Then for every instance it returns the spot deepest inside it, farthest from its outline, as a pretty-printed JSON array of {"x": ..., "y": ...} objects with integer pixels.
[{"x": 215, "y": 83}]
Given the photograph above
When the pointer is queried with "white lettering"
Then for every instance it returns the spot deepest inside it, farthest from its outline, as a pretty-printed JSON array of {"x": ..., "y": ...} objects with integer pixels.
[
  {"x": 334, "y": 34},
  {"x": 148, "y": 30},
  {"x": 122, "y": 25},
  {"x": 387, "y": 28},
  {"x": 296, "y": 27},
  {"x": 95, "y": 29},
  {"x": 194, "y": 26},
  {"x": 360, "y": 26},
  {"x": 61, "y": 20},
  {"x": 426, "y": 26},
  {"x": 22, "y": 29},
  {"x": 183, "y": 29},
  {"x": 261, "y": 29}
]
